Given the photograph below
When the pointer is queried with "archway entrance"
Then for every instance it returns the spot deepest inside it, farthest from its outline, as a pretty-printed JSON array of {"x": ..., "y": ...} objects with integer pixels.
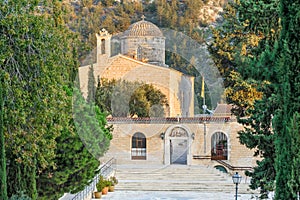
[
  {"x": 178, "y": 151},
  {"x": 177, "y": 146},
  {"x": 219, "y": 145}
]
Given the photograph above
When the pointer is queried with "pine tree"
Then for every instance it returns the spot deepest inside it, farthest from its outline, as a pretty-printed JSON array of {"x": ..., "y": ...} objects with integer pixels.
[
  {"x": 91, "y": 126},
  {"x": 75, "y": 167}
]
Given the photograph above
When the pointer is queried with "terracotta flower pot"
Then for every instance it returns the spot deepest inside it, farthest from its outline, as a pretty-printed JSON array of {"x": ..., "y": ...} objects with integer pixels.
[
  {"x": 97, "y": 195},
  {"x": 111, "y": 188},
  {"x": 105, "y": 190}
]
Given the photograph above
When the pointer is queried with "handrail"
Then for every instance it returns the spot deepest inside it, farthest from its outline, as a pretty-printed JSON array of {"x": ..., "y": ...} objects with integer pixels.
[
  {"x": 104, "y": 171},
  {"x": 233, "y": 167}
]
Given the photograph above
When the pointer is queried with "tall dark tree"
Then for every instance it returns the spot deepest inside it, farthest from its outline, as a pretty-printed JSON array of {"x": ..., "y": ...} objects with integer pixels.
[
  {"x": 91, "y": 86},
  {"x": 3, "y": 184},
  {"x": 288, "y": 94},
  {"x": 294, "y": 129}
]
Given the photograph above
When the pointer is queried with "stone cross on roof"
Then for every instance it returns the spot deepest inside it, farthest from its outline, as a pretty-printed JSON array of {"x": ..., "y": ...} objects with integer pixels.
[{"x": 143, "y": 17}]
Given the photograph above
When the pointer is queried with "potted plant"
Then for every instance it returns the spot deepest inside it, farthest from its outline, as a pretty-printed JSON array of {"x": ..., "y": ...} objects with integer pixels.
[
  {"x": 106, "y": 184},
  {"x": 99, "y": 186},
  {"x": 114, "y": 181}
]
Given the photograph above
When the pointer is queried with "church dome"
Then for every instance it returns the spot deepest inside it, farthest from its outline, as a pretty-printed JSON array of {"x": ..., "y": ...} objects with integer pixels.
[{"x": 143, "y": 28}]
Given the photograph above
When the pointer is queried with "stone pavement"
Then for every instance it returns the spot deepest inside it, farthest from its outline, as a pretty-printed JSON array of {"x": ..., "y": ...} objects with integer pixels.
[{"x": 172, "y": 195}]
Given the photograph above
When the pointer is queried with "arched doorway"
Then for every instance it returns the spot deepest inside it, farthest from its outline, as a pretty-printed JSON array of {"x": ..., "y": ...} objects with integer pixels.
[
  {"x": 219, "y": 147},
  {"x": 177, "y": 143},
  {"x": 138, "y": 147}
]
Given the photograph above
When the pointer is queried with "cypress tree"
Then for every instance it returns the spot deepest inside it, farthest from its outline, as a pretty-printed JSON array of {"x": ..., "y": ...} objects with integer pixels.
[
  {"x": 288, "y": 95},
  {"x": 3, "y": 185},
  {"x": 91, "y": 86},
  {"x": 294, "y": 129}
]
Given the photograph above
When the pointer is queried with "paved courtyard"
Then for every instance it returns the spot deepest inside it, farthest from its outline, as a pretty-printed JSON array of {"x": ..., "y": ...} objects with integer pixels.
[{"x": 172, "y": 195}]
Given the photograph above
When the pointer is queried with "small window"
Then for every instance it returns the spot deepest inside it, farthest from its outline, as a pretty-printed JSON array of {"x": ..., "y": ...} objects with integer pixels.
[
  {"x": 139, "y": 53},
  {"x": 138, "y": 147},
  {"x": 103, "y": 46}
]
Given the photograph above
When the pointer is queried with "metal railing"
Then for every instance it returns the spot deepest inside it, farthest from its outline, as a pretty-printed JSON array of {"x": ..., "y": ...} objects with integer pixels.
[
  {"x": 105, "y": 170},
  {"x": 233, "y": 167}
]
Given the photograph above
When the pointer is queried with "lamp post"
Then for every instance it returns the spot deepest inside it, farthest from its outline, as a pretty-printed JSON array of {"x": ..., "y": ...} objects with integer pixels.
[{"x": 236, "y": 178}]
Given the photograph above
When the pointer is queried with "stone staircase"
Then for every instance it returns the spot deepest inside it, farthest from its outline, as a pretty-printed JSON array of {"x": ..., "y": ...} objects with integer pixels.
[{"x": 176, "y": 178}]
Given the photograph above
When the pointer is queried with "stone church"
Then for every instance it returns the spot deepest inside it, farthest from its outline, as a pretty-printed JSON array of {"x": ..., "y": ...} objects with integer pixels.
[{"x": 178, "y": 138}]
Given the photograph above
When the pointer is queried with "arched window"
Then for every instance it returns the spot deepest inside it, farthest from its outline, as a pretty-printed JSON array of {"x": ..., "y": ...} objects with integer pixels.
[
  {"x": 219, "y": 146},
  {"x": 103, "y": 46},
  {"x": 138, "y": 147}
]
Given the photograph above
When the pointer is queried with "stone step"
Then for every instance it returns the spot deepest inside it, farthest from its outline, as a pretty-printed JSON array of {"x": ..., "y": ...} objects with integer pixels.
[
  {"x": 182, "y": 187},
  {"x": 176, "y": 178},
  {"x": 182, "y": 174},
  {"x": 179, "y": 179},
  {"x": 173, "y": 172}
]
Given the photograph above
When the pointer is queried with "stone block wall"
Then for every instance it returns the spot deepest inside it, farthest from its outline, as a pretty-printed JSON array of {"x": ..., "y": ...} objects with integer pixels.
[
  {"x": 177, "y": 87},
  {"x": 238, "y": 155}
]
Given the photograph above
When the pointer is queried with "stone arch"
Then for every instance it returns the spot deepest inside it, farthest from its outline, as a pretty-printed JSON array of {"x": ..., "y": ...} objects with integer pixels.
[
  {"x": 221, "y": 168},
  {"x": 219, "y": 146},
  {"x": 138, "y": 146},
  {"x": 177, "y": 133}
]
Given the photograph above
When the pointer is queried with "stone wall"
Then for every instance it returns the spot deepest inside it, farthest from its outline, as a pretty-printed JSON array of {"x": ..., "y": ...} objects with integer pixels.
[
  {"x": 149, "y": 49},
  {"x": 177, "y": 87},
  {"x": 238, "y": 155}
]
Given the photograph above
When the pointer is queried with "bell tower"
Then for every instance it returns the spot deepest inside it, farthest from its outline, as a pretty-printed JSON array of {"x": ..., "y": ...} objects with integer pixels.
[{"x": 103, "y": 45}]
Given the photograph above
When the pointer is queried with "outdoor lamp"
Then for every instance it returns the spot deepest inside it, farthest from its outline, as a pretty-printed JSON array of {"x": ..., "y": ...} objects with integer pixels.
[
  {"x": 193, "y": 136},
  {"x": 236, "y": 178},
  {"x": 162, "y": 136}
]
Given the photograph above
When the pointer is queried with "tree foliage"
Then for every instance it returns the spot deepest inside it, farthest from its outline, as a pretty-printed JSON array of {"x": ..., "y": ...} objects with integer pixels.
[
  {"x": 243, "y": 49},
  {"x": 122, "y": 98},
  {"x": 76, "y": 151},
  {"x": 288, "y": 95},
  {"x": 39, "y": 56},
  {"x": 268, "y": 52},
  {"x": 3, "y": 183},
  {"x": 91, "y": 85},
  {"x": 147, "y": 101},
  {"x": 91, "y": 126}
]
